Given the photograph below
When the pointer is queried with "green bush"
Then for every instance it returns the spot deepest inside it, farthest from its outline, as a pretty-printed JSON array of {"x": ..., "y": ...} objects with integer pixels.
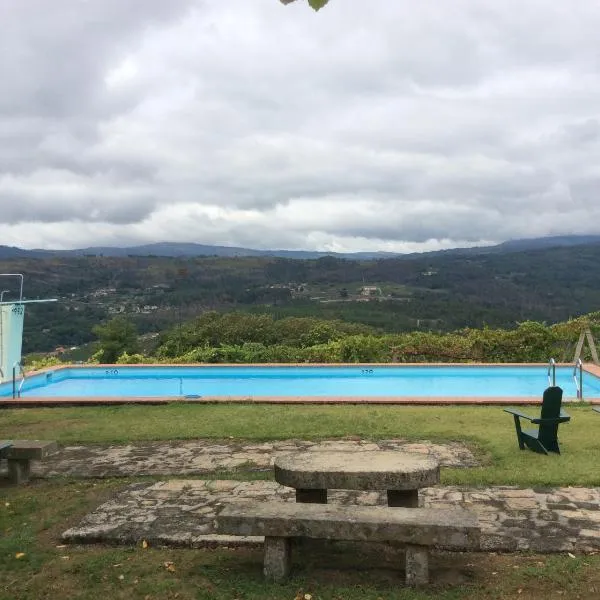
[
  {"x": 131, "y": 359},
  {"x": 116, "y": 337},
  {"x": 35, "y": 364},
  {"x": 246, "y": 338}
]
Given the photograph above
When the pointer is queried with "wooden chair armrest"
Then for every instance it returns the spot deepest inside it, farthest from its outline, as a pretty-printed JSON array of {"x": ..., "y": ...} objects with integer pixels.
[
  {"x": 518, "y": 413},
  {"x": 561, "y": 419},
  {"x": 4, "y": 447}
]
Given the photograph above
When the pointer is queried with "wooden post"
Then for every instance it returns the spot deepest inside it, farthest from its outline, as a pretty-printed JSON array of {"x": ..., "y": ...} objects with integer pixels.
[
  {"x": 592, "y": 345},
  {"x": 586, "y": 335}
]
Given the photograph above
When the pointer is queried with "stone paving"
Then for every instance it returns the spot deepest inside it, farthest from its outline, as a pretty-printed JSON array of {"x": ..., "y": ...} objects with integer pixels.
[
  {"x": 206, "y": 456},
  {"x": 182, "y": 512}
]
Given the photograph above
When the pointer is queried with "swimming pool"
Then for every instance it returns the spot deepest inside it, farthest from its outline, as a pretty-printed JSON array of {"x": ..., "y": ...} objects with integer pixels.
[{"x": 327, "y": 381}]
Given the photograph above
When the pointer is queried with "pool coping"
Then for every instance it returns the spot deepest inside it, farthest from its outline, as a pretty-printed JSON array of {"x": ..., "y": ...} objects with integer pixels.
[{"x": 42, "y": 401}]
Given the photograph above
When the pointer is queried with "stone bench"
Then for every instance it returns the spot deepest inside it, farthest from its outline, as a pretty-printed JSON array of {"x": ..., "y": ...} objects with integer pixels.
[
  {"x": 417, "y": 528},
  {"x": 20, "y": 453}
]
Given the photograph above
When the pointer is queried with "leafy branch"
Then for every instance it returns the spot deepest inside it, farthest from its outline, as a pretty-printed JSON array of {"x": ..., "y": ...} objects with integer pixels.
[{"x": 315, "y": 4}]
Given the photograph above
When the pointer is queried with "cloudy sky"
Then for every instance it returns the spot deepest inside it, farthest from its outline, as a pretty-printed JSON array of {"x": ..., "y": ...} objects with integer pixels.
[{"x": 370, "y": 125}]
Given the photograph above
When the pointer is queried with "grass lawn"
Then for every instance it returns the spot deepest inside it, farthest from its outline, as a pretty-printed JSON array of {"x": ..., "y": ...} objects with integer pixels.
[
  {"x": 34, "y": 565},
  {"x": 487, "y": 430}
]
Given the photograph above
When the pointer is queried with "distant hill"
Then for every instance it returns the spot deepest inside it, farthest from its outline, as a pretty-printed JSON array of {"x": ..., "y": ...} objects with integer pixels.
[
  {"x": 184, "y": 250},
  {"x": 14, "y": 252},
  {"x": 189, "y": 250},
  {"x": 547, "y": 242},
  {"x": 518, "y": 245},
  {"x": 497, "y": 286}
]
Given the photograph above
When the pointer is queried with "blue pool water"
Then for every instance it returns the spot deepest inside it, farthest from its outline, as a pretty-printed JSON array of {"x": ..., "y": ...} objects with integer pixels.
[{"x": 349, "y": 381}]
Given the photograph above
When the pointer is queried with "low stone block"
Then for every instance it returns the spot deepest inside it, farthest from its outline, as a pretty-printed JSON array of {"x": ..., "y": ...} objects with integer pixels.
[
  {"x": 277, "y": 559},
  {"x": 417, "y": 565},
  {"x": 19, "y": 471},
  {"x": 456, "y": 529},
  {"x": 406, "y": 498},
  {"x": 29, "y": 450},
  {"x": 311, "y": 496}
]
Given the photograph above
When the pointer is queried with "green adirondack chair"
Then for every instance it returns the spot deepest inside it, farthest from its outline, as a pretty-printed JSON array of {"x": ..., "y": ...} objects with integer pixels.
[{"x": 544, "y": 439}]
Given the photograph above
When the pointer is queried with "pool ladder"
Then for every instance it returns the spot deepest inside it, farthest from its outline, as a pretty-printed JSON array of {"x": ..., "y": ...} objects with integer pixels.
[{"x": 577, "y": 375}]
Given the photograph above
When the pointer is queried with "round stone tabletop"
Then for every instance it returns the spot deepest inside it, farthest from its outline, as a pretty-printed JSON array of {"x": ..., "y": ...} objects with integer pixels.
[{"x": 370, "y": 470}]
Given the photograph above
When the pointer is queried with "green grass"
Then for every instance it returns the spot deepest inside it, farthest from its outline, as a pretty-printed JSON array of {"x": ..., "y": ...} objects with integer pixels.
[
  {"x": 34, "y": 565},
  {"x": 33, "y": 516},
  {"x": 488, "y": 431}
]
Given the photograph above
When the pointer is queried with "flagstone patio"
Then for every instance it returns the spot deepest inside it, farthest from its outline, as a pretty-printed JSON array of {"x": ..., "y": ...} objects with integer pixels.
[{"x": 182, "y": 513}]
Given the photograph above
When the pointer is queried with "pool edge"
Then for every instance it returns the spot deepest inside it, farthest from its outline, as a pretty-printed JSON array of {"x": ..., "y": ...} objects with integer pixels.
[
  {"x": 42, "y": 401},
  {"x": 39, "y": 401}
]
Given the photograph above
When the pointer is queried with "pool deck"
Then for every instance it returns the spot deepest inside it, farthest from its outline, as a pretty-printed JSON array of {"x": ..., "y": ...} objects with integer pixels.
[
  {"x": 41, "y": 401},
  {"x": 292, "y": 400}
]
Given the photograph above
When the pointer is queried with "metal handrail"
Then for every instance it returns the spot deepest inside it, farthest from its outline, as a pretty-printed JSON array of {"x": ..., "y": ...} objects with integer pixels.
[
  {"x": 20, "y": 276},
  {"x": 578, "y": 382},
  {"x": 17, "y": 392},
  {"x": 23, "y": 377},
  {"x": 552, "y": 368}
]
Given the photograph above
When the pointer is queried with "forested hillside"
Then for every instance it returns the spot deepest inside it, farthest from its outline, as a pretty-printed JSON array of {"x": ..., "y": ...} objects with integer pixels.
[{"x": 437, "y": 292}]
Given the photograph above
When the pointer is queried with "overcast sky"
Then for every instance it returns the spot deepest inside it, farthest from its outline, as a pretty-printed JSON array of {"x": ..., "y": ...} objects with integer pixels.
[{"x": 370, "y": 125}]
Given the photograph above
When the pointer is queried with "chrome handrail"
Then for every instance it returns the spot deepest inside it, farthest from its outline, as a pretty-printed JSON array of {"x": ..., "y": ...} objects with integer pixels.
[
  {"x": 17, "y": 392},
  {"x": 552, "y": 368},
  {"x": 578, "y": 383},
  {"x": 20, "y": 276},
  {"x": 23, "y": 377}
]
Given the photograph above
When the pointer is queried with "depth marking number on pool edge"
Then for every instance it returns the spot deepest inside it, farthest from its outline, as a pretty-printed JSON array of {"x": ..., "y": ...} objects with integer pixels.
[{"x": 366, "y": 371}]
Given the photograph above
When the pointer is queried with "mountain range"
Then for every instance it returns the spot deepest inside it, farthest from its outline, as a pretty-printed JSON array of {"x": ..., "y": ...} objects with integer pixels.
[{"x": 187, "y": 250}]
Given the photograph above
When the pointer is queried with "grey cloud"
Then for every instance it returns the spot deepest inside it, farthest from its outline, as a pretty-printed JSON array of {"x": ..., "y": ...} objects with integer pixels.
[
  {"x": 57, "y": 55},
  {"x": 53, "y": 67},
  {"x": 478, "y": 120},
  {"x": 132, "y": 209},
  {"x": 585, "y": 132},
  {"x": 58, "y": 196}
]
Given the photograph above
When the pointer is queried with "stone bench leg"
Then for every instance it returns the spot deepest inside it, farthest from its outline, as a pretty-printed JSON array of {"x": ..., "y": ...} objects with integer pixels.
[
  {"x": 277, "y": 558},
  {"x": 417, "y": 565},
  {"x": 311, "y": 496},
  {"x": 18, "y": 470},
  {"x": 406, "y": 498}
]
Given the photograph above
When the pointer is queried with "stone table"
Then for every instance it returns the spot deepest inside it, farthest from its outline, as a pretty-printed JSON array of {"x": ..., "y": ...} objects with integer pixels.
[{"x": 401, "y": 474}]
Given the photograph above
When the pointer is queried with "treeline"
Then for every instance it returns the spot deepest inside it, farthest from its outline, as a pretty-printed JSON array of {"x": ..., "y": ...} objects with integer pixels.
[
  {"x": 245, "y": 338},
  {"x": 439, "y": 292}
]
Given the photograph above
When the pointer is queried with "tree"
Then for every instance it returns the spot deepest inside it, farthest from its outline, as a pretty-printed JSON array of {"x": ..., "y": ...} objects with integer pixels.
[
  {"x": 117, "y": 336},
  {"x": 316, "y": 4}
]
